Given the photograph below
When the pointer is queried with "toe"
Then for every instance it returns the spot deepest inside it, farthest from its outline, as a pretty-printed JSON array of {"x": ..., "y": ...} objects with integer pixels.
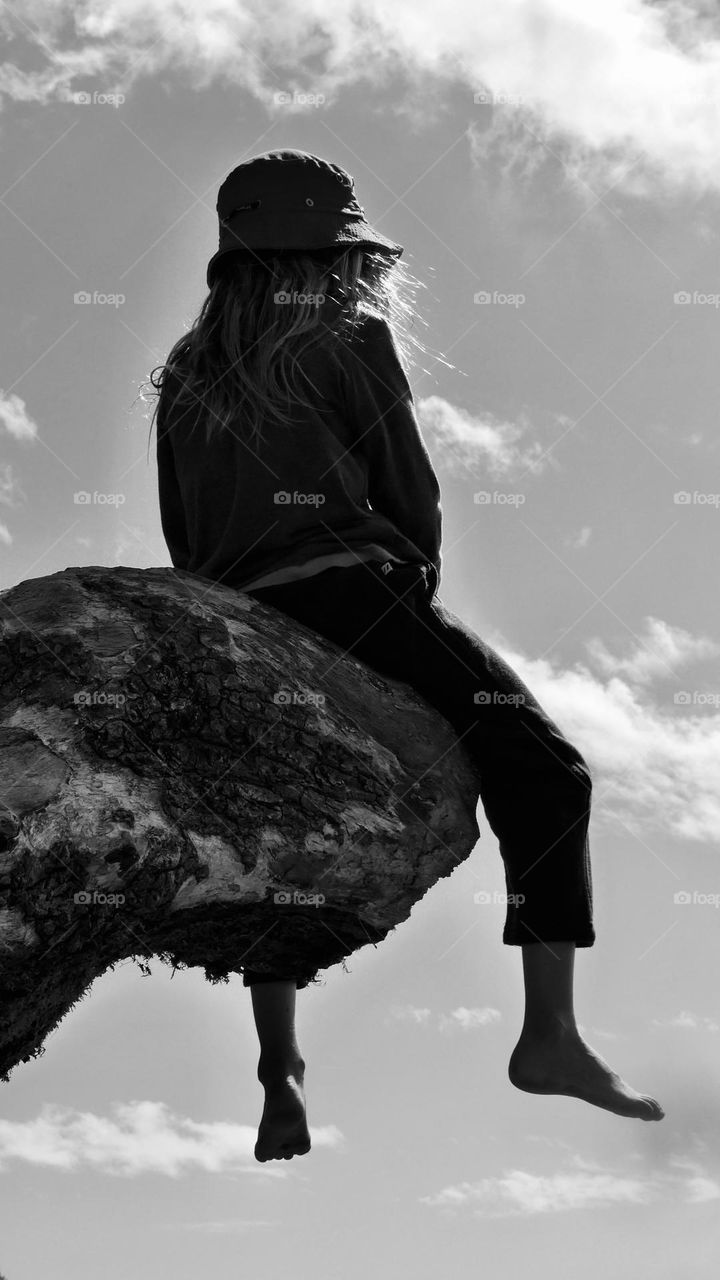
[
  {"x": 265, "y": 1151},
  {"x": 650, "y": 1108}
]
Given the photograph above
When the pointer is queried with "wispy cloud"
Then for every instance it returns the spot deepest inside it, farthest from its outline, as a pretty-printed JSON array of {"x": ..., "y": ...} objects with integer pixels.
[
  {"x": 690, "y": 1021},
  {"x": 581, "y": 539},
  {"x": 468, "y": 1019},
  {"x": 461, "y": 442},
  {"x": 408, "y": 1013},
  {"x": 626, "y": 92},
  {"x": 459, "y": 1019},
  {"x": 14, "y": 417},
  {"x": 143, "y": 1137},
  {"x": 518, "y": 1192},
  {"x": 11, "y": 494},
  {"x": 598, "y": 1032},
  {"x": 657, "y": 767},
  {"x": 582, "y": 1186},
  {"x": 463, "y": 1019},
  {"x": 662, "y": 651}
]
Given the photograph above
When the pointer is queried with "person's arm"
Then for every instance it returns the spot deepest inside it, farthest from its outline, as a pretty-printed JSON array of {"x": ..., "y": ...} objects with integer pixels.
[
  {"x": 402, "y": 483},
  {"x": 172, "y": 512}
]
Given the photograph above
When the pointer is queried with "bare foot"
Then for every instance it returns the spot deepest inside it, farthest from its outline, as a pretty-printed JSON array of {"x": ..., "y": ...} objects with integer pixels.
[
  {"x": 283, "y": 1131},
  {"x": 560, "y": 1061}
]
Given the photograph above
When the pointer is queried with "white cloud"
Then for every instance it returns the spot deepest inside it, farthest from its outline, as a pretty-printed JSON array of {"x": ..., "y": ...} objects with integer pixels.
[
  {"x": 518, "y": 1192},
  {"x": 10, "y": 491},
  {"x": 604, "y": 84},
  {"x": 15, "y": 419},
  {"x": 597, "y": 1031},
  {"x": 144, "y": 1137},
  {"x": 700, "y": 1190},
  {"x": 663, "y": 649},
  {"x": 581, "y": 539},
  {"x": 468, "y": 1019},
  {"x": 584, "y": 1186},
  {"x": 656, "y": 768},
  {"x": 408, "y": 1013},
  {"x": 698, "y": 1187},
  {"x": 460, "y": 1018},
  {"x": 686, "y": 1019},
  {"x": 462, "y": 442}
]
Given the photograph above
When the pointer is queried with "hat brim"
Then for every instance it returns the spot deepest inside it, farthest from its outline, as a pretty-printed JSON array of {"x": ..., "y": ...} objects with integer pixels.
[{"x": 246, "y": 240}]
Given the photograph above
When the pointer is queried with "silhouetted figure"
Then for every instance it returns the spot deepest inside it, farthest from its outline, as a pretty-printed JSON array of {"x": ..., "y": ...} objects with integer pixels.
[{"x": 326, "y": 505}]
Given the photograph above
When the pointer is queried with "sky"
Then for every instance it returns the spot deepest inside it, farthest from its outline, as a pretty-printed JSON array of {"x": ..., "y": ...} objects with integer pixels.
[{"x": 552, "y": 170}]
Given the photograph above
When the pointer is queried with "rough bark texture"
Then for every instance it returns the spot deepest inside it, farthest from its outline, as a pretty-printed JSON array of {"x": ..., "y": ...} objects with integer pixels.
[{"x": 173, "y": 755}]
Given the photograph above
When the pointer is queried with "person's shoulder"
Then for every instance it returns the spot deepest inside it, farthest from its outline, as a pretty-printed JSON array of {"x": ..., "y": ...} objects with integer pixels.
[
  {"x": 372, "y": 339},
  {"x": 372, "y": 328},
  {"x": 366, "y": 351}
]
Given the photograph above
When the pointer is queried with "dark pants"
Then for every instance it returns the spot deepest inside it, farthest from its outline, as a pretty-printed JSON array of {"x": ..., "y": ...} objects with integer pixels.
[{"x": 535, "y": 786}]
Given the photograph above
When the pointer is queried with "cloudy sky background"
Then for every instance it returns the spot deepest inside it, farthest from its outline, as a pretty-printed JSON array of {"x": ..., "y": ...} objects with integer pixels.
[{"x": 563, "y": 154}]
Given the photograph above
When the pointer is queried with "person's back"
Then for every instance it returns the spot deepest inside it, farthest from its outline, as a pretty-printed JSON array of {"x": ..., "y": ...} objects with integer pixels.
[{"x": 350, "y": 479}]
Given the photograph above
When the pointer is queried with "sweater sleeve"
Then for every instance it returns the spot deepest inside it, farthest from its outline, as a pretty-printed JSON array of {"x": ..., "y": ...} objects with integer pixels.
[
  {"x": 402, "y": 483},
  {"x": 172, "y": 512}
]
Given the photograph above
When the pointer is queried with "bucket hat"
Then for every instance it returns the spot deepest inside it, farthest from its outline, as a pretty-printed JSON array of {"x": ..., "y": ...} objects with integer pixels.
[{"x": 289, "y": 200}]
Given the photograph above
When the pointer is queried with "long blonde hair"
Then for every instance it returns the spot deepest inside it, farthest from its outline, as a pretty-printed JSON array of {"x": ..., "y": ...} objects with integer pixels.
[{"x": 241, "y": 358}]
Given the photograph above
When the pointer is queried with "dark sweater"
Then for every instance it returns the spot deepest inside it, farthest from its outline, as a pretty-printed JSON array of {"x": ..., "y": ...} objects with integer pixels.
[{"x": 359, "y": 454}]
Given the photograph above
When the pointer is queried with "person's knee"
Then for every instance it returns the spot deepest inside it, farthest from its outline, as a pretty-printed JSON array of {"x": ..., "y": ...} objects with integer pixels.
[
  {"x": 577, "y": 784},
  {"x": 569, "y": 769}
]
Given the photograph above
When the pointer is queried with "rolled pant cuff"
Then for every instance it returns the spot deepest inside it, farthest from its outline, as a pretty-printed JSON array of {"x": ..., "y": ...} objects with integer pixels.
[{"x": 519, "y": 936}]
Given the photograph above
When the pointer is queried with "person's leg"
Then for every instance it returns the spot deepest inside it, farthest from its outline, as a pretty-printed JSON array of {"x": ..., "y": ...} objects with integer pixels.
[
  {"x": 283, "y": 1131},
  {"x": 274, "y": 1011},
  {"x": 551, "y": 1055},
  {"x": 548, "y": 979},
  {"x": 535, "y": 787}
]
